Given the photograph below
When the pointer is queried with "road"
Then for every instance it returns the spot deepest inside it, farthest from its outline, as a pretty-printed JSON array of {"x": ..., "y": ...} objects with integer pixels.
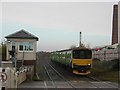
[{"x": 78, "y": 85}]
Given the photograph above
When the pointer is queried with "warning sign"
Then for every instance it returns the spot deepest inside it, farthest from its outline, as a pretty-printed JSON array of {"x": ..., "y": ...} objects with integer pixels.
[{"x": 3, "y": 76}]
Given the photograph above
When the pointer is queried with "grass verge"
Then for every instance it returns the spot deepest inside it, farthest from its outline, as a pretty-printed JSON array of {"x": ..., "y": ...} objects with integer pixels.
[
  {"x": 106, "y": 70},
  {"x": 105, "y": 75}
]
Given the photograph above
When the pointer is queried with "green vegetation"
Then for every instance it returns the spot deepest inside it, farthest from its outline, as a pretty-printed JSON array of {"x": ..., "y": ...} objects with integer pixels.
[
  {"x": 0, "y": 50},
  {"x": 106, "y": 70},
  {"x": 63, "y": 58},
  {"x": 3, "y": 51}
]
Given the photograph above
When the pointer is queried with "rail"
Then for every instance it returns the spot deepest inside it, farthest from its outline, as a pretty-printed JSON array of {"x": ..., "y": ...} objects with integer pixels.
[
  {"x": 93, "y": 78},
  {"x": 50, "y": 77},
  {"x": 61, "y": 76}
]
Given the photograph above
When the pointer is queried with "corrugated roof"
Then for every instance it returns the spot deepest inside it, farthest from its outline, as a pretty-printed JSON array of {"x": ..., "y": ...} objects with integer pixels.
[{"x": 22, "y": 34}]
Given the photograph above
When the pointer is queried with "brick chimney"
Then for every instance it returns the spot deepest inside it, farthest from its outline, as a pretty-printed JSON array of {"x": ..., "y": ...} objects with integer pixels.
[{"x": 115, "y": 25}]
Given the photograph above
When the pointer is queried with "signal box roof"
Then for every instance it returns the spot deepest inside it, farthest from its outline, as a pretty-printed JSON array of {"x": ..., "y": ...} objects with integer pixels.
[{"x": 22, "y": 34}]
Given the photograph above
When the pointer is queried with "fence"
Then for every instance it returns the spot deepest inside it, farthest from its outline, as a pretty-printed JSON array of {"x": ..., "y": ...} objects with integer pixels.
[
  {"x": 13, "y": 78},
  {"x": 106, "y": 54}
]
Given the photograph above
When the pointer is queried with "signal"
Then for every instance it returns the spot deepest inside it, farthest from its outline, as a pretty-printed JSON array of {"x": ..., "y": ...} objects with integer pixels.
[{"x": 12, "y": 53}]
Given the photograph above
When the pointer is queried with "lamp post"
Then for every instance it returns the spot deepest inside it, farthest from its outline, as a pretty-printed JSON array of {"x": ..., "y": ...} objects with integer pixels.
[{"x": 105, "y": 54}]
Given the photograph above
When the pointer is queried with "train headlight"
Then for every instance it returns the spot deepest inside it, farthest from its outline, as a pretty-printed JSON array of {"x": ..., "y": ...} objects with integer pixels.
[{"x": 88, "y": 64}]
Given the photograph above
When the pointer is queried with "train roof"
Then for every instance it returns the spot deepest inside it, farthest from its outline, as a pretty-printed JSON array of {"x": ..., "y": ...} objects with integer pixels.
[{"x": 72, "y": 49}]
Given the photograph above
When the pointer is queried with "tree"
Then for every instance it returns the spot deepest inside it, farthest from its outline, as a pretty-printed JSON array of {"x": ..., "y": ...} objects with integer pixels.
[
  {"x": 82, "y": 45},
  {"x": 3, "y": 51},
  {"x": 72, "y": 46},
  {"x": 88, "y": 46},
  {"x": 0, "y": 49}
]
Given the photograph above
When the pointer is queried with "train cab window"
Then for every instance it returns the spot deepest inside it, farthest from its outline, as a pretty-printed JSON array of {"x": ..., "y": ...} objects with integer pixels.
[
  {"x": 89, "y": 54},
  {"x": 82, "y": 54}
]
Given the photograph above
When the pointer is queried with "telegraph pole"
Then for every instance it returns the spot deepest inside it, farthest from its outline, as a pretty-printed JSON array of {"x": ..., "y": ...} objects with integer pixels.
[{"x": 80, "y": 40}]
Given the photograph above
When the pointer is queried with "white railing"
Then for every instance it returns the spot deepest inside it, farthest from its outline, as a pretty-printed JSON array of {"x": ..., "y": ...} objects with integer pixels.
[
  {"x": 21, "y": 76},
  {"x": 13, "y": 78}
]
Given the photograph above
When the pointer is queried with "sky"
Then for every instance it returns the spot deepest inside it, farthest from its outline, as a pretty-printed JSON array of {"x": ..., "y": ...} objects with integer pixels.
[{"x": 57, "y": 24}]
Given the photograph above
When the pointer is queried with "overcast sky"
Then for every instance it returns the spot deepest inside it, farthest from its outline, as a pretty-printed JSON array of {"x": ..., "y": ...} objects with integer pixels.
[{"x": 57, "y": 24}]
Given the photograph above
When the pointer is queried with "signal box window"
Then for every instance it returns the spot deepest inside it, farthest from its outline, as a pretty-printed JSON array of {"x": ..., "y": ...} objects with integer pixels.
[
  {"x": 21, "y": 47},
  {"x": 26, "y": 46},
  {"x": 13, "y": 45}
]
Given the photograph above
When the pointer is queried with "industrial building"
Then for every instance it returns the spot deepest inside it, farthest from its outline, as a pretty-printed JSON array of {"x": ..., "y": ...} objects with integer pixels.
[{"x": 115, "y": 25}]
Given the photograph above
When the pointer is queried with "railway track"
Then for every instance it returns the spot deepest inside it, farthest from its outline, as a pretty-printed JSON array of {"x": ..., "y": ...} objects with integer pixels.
[
  {"x": 73, "y": 77},
  {"x": 55, "y": 76},
  {"x": 93, "y": 78},
  {"x": 48, "y": 74}
]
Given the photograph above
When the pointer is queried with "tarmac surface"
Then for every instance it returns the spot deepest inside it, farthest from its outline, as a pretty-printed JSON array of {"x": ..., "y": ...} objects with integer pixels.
[{"x": 64, "y": 85}]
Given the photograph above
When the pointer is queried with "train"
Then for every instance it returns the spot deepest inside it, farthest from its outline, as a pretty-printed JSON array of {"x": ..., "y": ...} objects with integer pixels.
[{"x": 79, "y": 60}]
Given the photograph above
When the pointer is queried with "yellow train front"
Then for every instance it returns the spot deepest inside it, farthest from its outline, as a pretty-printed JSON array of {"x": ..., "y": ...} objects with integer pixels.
[
  {"x": 77, "y": 59},
  {"x": 81, "y": 61}
]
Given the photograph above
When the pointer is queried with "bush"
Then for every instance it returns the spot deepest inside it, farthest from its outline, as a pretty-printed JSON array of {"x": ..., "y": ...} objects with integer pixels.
[
  {"x": 3, "y": 51},
  {"x": 106, "y": 65},
  {"x": 106, "y": 70},
  {"x": 115, "y": 65}
]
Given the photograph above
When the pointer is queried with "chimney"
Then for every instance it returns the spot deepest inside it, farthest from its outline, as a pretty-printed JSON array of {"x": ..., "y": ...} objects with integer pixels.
[{"x": 115, "y": 25}]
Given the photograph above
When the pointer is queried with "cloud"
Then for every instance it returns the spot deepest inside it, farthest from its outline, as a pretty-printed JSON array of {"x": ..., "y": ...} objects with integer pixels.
[
  {"x": 59, "y": 1},
  {"x": 86, "y": 17},
  {"x": 58, "y": 24}
]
